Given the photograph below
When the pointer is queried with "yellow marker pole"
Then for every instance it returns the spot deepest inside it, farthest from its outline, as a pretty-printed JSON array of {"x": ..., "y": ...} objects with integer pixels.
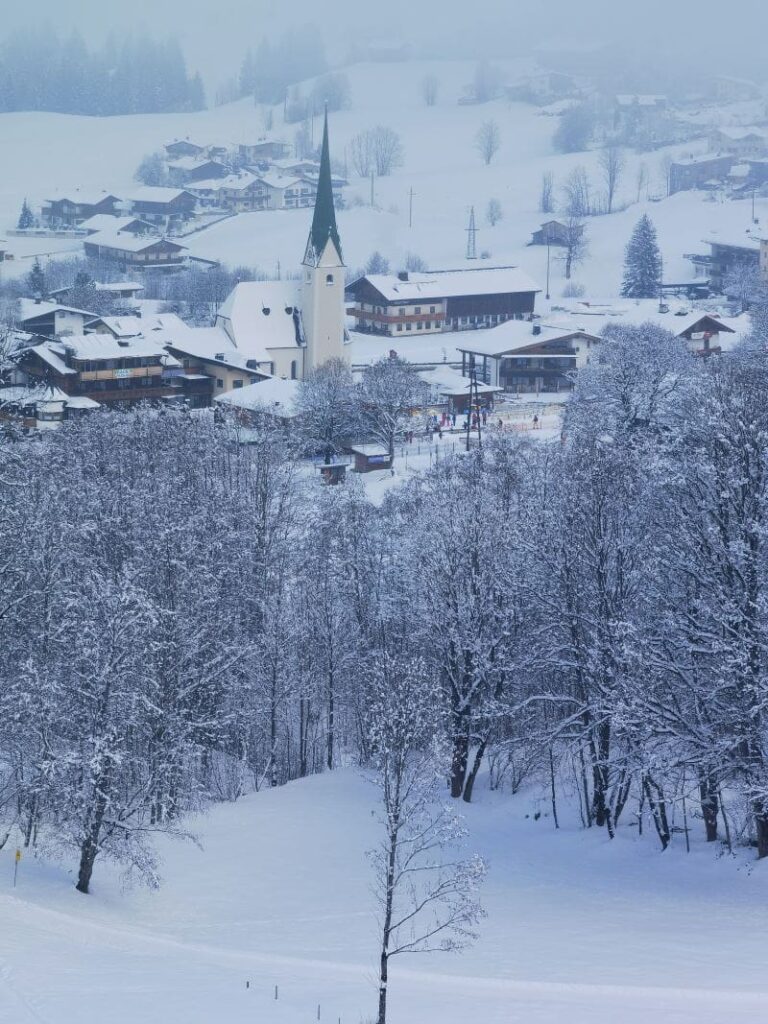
[{"x": 16, "y": 860}]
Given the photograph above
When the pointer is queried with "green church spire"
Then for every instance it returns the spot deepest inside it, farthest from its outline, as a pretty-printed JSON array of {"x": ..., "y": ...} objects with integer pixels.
[{"x": 324, "y": 218}]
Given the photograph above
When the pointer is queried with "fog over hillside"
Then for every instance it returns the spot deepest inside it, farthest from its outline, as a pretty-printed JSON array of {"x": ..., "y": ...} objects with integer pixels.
[{"x": 656, "y": 34}]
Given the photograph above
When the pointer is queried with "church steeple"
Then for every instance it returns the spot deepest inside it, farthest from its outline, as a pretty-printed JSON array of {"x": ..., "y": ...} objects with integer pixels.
[{"x": 324, "y": 218}]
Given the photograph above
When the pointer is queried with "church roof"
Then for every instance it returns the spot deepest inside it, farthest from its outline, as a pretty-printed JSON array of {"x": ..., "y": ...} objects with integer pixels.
[{"x": 324, "y": 218}]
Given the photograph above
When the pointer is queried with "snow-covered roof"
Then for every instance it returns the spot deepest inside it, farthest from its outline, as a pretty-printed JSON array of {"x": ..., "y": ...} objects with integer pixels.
[
  {"x": 232, "y": 181},
  {"x": 104, "y": 346},
  {"x": 513, "y": 335},
  {"x": 53, "y": 359},
  {"x": 448, "y": 381},
  {"x": 288, "y": 164},
  {"x": 744, "y": 241},
  {"x": 680, "y": 318},
  {"x": 275, "y": 180},
  {"x": 43, "y": 394},
  {"x": 260, "y": 315},
  {"x": 133, "y": 326},
  {"x": 31, "y": 309},
  {"x": 128, "y": 242},
  {"x": 191, "y": 163},
  {"x": 106, "y": 222},
  {"x": 441, "y": 284},
  {"x": 156, "y": 194},
  {"x": 213, "y": 345},
  {"x": 121, "y": 286},
  {"x": 82, "y": 197},
  {"x": 739, "y": 134},
  {"x": 274, "y": 395}
]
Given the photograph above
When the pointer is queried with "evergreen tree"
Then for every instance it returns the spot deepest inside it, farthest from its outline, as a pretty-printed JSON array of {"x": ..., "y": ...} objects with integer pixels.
[
  {"x": 642, "y": 262},
  {"x": 26, "y": 220},
  {"x": 36, "y": 280}
]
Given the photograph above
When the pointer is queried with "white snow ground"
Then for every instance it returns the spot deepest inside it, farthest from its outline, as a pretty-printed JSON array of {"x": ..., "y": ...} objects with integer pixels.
[
  {"x": 441, "y": 165},
  {"x": 579, "y": 929}
]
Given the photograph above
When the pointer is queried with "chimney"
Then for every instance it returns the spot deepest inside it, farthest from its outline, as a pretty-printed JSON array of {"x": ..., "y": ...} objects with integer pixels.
[
  {"x": 403, "y": 275},
  {"x": 537, "y": 329}
]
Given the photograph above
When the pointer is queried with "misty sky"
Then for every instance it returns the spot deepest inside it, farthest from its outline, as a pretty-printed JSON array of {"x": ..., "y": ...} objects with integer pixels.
[{"x": 215, "y": 33}]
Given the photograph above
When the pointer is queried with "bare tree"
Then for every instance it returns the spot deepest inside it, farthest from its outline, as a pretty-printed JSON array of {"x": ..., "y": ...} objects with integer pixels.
[
  {"x": 361, "y": 153},
  {"x": 574, "y": 249},
  {"x": 665, "y": 173},
  {"x": 427, "y": 898},
  {"x": 488, "y": 140},
  {"x": 494, "y": 212},
  {"x": 641, "y": 179},
  {"x": 546, "y": 196},
  {"x": 611, "y": 162},
  {"x": 429, "y": 89},
  {"x": 387, "y": 150},
  {"x": 744, "y": 283},
  {"x": 577, "y": 193}
]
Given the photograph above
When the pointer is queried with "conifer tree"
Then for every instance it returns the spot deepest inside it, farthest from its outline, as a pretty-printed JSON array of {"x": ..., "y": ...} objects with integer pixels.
[
  {"x": 26, "y": 220},
  {"x": 36, "y": 280},
  {"x": 642, "y": 262}
]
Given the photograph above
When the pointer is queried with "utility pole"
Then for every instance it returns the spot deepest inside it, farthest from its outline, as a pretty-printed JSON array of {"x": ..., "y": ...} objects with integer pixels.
[
  {"x": 372, "y": 193},
  {"x": 410, "y": 207},
  {"x": 474, "y": 403},
  {"x": 471, "y": 236},
  {"x": 548, "y": 243}
]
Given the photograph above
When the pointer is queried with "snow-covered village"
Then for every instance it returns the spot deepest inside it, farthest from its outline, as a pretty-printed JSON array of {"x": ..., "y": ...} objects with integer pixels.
[{"x": 383, "y": 513}]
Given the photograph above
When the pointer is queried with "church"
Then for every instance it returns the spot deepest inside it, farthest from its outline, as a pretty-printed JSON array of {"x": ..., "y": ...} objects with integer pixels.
[{"x": 288, "y": 328}]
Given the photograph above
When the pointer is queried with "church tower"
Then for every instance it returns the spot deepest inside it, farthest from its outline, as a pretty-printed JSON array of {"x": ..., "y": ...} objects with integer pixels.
[{"x": 322, "y": 296}]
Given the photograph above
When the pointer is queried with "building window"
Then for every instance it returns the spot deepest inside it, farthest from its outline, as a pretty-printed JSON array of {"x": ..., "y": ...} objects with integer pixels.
[
  {"x": 399, "y": 327},
  {"x": 408, "y": 327},
  {"x": 237, "y": 383},
  {"x": 402, "y": 311},
  {"x": 419, "y": 325},
  {"x": 431, "y": 309},
  {"x": 428, "y": 325},
  {"x": 219, "y": 382},
  {"x": 329, "y": 278},
  {"x": 417, "y": 309},
  {"x": 293, "y": 369}
]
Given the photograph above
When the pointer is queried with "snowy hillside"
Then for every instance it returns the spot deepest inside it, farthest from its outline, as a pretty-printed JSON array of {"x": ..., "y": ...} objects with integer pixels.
[
  {"x": 279, "y": 895},
  {"x": 50, "y": 152}
]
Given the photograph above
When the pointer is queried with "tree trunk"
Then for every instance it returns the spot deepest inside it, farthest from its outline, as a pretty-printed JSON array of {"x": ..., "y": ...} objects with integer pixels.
[
  {"x": 472, "y": 777},
  {"x": 709, "y": 806},
  {"x": 331, "y": 719},
  {"x": 90, "y": 845},
  {"x": 459, "y": 757},
  {"x": 658, "y": 806},
  {"x": 761, "y": 828},
  {"x": 382, "y": 1018}
]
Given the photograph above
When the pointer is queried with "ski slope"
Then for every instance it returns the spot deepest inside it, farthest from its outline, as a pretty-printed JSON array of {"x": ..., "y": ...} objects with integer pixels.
[{"x": 579, "y": 929}]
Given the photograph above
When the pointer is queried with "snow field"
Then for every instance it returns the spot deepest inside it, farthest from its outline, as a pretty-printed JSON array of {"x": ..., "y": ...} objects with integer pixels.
[{"x": 579, "y": 929}]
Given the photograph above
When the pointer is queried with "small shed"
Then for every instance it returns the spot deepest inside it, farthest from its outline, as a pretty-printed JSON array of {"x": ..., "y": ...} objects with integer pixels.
[
  {"x": 333, "y": 472},
  {"x": 368, "y": 457}
]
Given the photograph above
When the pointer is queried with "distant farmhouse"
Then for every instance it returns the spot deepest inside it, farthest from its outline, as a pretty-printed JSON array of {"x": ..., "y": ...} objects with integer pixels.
[
  {"x": 743, "y": 143},
  {"x": 263, "y": 149},
  {"x": 72, "y": 208},
  {"x": 554, "y": 232},
  {"x": 725, "y": 255},
  {"x": 446, "y": 300},
  {"x": 165, "y": 208},
  {"x": 135, "y": 252},
  {"x": 542, "y": 87},
  {"x": 699, "y": 172}
]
